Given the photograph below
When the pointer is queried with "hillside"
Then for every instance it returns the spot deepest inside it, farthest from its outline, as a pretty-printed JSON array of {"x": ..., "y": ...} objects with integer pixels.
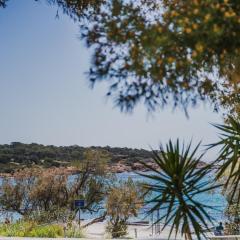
[{"x": 17, "y": 155}]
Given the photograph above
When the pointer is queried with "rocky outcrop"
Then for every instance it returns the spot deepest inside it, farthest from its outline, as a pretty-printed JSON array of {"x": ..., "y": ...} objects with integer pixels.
[
  {"x": 136, "y": 166},
  {"x": 121, "y": 166}
]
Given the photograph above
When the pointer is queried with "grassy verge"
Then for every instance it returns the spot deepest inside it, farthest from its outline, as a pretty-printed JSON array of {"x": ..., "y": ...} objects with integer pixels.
[{"x": 31, "y": 229}]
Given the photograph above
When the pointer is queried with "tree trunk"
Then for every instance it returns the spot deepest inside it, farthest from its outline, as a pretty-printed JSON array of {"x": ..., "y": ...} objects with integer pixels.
[{"x": 99, "y": 219}]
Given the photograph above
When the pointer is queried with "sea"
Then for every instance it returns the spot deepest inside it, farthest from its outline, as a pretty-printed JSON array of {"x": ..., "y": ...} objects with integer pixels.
[{"x": 214, "y": 199}]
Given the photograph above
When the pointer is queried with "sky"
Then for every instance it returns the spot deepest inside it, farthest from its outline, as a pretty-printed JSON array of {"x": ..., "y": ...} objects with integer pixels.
[{"x": 45, "y": 96}]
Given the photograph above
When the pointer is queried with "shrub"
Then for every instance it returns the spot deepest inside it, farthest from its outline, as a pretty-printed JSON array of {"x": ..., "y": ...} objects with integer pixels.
[
  {"x": 117, "y": 229},
  {"x": 123, "y": 201},
  {"x": 52, "y": 231},
  {"x": 18, "y": 229},
  {"x": 74, "y": 233},
  {"x": 30, "y": 229}
]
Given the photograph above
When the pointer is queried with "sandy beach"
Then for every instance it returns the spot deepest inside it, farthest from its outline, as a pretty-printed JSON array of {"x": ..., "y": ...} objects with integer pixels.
[{"x": 97, "y": 231}]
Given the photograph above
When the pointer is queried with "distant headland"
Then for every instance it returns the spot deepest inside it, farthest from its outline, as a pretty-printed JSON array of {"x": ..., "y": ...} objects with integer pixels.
[{"x": 18, "y": 155}]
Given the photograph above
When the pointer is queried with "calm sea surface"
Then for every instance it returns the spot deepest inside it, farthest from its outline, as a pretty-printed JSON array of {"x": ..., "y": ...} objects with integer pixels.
[{"x": 215, "y": 200}]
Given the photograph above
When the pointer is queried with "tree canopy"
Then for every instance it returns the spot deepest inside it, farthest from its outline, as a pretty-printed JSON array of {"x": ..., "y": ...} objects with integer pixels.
[
  {"x": 167, "y": 52},
  {"x": 162, "y": 52}
]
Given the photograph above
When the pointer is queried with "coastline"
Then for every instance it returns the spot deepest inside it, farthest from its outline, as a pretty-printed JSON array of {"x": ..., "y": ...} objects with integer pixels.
[{"x": 120, "y": 167}]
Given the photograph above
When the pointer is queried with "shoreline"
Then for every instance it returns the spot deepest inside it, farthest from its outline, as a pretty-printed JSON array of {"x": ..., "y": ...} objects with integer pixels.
[{"x": 114, "y": 168}]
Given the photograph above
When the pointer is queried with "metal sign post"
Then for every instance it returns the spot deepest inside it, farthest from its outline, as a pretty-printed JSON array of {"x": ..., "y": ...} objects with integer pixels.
[
  {"x": 79, "y": 218},
  {"x": 79, "y": 204}
]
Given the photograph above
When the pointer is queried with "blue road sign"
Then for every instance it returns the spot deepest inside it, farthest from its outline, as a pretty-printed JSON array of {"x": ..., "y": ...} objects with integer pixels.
[{"x": 80, "y": 203}]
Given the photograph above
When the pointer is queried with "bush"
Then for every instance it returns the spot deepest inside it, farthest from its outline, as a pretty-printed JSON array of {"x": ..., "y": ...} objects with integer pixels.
[
  {"x": 123, "y": 201},
  {"x": 45, "y": 217},
  {"x": 18, "y": 229},
  {"x": 74, "y": 233},
  {"x": 117, "y": 229},
  {"x": 30, "y": 229},
  {"x": 52, "y": 231}
]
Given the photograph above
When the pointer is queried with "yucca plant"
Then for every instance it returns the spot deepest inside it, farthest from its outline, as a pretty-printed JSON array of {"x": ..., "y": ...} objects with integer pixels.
[
  {"x": 176, "y": 188},
  {"x": 228, "y": 161}
]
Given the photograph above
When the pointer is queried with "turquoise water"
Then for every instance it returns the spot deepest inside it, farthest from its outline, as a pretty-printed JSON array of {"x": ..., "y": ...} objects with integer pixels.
[{"x": 214, "y": 199}]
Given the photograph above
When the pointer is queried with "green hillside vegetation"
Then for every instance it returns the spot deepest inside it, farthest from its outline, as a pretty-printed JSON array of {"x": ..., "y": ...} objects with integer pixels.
[{"x": 19, "y": 155}]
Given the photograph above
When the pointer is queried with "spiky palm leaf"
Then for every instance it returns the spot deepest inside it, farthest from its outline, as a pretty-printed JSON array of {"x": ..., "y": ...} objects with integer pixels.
[
  {"x": 228, "y": 161},
  {"x": 177, "y": 186}
]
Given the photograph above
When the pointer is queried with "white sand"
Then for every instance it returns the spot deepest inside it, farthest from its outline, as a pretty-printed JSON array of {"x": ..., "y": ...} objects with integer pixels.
[{"x": 97, "y": 231}]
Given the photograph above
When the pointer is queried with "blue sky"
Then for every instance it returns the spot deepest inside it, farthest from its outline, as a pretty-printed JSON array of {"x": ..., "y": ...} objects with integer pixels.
[{"x": 45, "y": 96}]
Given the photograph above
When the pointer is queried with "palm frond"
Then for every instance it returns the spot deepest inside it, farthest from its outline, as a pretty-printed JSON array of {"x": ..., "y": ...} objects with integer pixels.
[
  {"x": 176, "y": 188},
  {"x": 228, "y": 160}
]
